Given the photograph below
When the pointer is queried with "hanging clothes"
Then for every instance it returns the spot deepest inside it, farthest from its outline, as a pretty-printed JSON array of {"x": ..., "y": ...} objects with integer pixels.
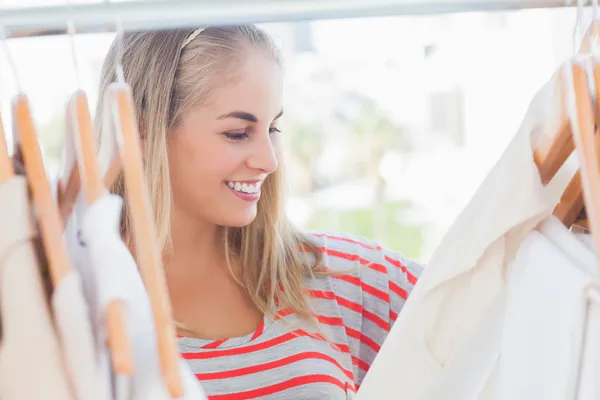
[
  {"x": 112, "y": 271},
  {"x": 575, "y": 246},
  {"x": 72, "y": 319},
  {"x": 544, "y": 321},
  {"x": 86, "y": 363},
  {"x": 90, "y": 284},
  {"x": 462, "y": 289},
  {"x": 31, "y": 365}
]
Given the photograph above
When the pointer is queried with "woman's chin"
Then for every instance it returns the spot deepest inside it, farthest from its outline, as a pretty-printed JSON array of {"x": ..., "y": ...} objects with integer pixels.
[{"x": 238, "y": 221}]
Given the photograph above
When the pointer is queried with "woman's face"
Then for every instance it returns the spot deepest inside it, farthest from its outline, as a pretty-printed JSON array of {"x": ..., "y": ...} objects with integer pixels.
[{"x": 221, "y": 153}]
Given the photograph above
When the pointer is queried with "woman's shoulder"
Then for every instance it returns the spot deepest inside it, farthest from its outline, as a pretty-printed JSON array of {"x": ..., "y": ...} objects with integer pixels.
[
  {"x": 340, "y": 240},
  {"x": 343, "y": 252}
]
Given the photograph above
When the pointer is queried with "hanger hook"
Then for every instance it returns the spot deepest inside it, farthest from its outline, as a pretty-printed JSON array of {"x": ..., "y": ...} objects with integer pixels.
[
  {"x": 72, "y": 32},
  {"x": 11, "y": 61},
  {"x": 593, "y": 34},
  {"x": 120, "y": 35},
  {"x": 578, "y": 32}
]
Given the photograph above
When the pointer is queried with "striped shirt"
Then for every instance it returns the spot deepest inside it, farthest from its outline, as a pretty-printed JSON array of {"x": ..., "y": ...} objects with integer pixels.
[{"x": 287, "y": 358}]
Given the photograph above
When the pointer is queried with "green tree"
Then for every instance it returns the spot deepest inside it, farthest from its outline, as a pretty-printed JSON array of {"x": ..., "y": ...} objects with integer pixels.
[
  {"x": 377, "y": 134},
  {"x": 304, "y": 144}
]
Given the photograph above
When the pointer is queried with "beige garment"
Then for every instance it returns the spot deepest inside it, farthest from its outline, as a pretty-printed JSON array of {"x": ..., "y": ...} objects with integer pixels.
[
  {"x": 31, "y": 366},
  {"x": 465, "y": 279}
]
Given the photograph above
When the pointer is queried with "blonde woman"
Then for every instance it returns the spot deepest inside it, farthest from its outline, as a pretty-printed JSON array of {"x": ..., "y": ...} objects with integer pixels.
[{"x": 263, "y": 309}]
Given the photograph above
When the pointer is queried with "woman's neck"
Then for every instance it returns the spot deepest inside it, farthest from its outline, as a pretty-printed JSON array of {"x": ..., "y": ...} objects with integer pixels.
[{"x": 197, "y": 247}]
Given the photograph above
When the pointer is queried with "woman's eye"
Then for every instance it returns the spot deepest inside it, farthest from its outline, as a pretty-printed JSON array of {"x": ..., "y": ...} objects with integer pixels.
[
  {"x": 236, "y": 136},
  {"x": 274, "y": 130}
]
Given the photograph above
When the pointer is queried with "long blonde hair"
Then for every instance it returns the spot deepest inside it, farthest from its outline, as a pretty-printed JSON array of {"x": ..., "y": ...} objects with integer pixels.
[{"x": 166, "y": 80}]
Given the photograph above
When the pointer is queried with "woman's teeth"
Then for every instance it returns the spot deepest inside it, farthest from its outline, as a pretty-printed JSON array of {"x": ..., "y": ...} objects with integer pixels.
[{"x": 244, "y": 187}]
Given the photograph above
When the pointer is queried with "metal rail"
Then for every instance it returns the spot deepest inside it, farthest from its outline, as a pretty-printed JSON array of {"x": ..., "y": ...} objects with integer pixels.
[{"x": 166, "y": 14}]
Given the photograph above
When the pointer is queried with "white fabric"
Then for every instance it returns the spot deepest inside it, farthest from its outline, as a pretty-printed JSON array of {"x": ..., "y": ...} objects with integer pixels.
[
  {"x": 86, "y": 362},
  {"x": 528, "y": 345},
  {"x": 468, "y": 270},
  {"x": 115, "y": 276},
  {"x": 589, "y": 385},
  {"x": 579, "y": 249},
  {"x": 31, "y": 366},
  {"x": 89, "y": 282},
  {"x": 473, "y": 372},
  {"x": 72, "y": 319},
  {"x": 544, "y": 320}
]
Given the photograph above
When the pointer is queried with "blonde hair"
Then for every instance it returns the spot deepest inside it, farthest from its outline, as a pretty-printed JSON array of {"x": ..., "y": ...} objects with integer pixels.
[{"x": 167, "y": 77}]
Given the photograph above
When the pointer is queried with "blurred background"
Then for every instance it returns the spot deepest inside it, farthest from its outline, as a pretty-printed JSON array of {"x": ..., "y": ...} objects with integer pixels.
[{"x": 390, "y": 123}]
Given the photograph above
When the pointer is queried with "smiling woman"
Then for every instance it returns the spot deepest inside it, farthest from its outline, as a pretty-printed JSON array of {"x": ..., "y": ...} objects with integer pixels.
[{"x": 262, "y": 308}]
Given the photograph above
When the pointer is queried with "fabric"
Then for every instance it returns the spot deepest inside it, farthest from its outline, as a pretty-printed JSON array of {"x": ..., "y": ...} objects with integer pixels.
[
  {"x": 528, "y": 345},
  {"x": 468, "y": 270},
  {"x": 112, "y": 274},
  {"x": 588, "y": 386},
  {"x": 89, "y": 284},
  {"x": 287, "y": 358},
  {"x": 544, "y": 321},
  {"x": 27, "y": 327},
  {"x": 72, "y": 319}
]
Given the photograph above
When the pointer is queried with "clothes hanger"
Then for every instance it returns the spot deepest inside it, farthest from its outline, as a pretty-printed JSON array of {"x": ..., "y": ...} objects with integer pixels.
[
  {"x": 25, "y": 138},
  {"x": 571, "y": 208},
  {"x": 85, "y": 172},
  {"x": 583, "y": 113},
  {"x": 583, "y": 120},
  {"x": 7, "y": 170},
  {"x": 120, "y": 110},
  {"x": 554, "y": 150},
  {"x": 589, "y": 42},
  {"x": 50, "y": 223}
]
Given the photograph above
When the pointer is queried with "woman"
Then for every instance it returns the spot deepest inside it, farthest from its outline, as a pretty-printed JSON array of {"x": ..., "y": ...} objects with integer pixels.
[{"x": 263, "y": 309}]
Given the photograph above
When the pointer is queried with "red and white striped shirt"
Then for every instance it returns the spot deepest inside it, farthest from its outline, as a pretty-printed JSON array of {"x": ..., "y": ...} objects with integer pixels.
[{"x": 287, "y": 358}]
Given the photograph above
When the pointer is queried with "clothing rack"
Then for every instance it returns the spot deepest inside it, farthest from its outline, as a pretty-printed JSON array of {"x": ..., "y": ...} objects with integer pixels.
[{"x": 165, "y": 14}]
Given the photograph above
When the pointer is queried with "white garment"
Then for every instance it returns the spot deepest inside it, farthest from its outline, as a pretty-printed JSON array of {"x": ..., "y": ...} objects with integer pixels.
[
  {"x": 115, "y": 276},
  {"x": 543, "y": 325},
  {"x": 459, "y": 288},
  {"x": 80, "y": 261},
  {"x": 72, "y": 319},
  {"x": 574, "y": 246},
  {"x": 72, "y": 316},
  {"x": 31, "y": 366},
  {"x": 528, "y": 345}
]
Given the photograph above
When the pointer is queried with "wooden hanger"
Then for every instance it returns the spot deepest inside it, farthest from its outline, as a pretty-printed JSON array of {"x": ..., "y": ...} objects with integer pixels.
[
  {"x": 590, "y": 38},
  {"x": 553, "y": 150},
  {"x": 148, "y": 255},
  {"x": 571, "y": 209},
  {"x": 7, "y": 170},
  {"x": 586, "y": 145},
  {"x": 51, "y": 227},
  {"x": 86, "y": 173},
  {"x": 571, "y": 205},
  {"x": 551, "y": 154},
  {"x": 588, "y": 152}
]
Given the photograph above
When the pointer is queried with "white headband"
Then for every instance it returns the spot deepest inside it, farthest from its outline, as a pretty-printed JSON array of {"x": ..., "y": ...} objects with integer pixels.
[{"x": 192, "y": 36}]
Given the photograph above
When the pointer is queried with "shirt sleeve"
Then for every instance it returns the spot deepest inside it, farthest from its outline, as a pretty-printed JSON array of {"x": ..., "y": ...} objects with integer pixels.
[{"x": 370, "y": 292}]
